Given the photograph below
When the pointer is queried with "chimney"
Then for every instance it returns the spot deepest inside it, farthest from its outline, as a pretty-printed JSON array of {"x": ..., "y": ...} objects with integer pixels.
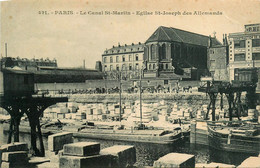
[
  {"x": 226, "y": 41},
  {"x": 209, "y": 41},
  {"x": 5, "y": 49}
]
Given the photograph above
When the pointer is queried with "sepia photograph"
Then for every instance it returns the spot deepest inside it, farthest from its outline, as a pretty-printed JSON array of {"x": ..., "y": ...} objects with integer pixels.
[{"x": 129, "y": 83}]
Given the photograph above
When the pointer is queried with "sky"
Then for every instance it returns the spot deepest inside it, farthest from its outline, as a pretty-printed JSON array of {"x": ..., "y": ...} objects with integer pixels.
[{"x": 70, "y": 39}]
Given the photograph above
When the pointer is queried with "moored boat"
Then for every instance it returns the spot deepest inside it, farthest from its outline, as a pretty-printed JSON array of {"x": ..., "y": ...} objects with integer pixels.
[
  {"x": 109, "y": 133},
  {"x": 239, "y": 137}
]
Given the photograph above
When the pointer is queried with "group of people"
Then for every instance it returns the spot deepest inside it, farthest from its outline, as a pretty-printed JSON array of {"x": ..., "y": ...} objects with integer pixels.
[{"x": 134, "y": 89}]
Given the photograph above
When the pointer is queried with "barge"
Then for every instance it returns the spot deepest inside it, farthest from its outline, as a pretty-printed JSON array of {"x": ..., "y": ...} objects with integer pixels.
[
  {"x": 158, "y": 136},
  {"x": 244, "y": 138}
]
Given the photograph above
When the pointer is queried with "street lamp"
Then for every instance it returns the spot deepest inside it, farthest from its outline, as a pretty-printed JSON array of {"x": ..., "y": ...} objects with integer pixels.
[
  {"x": 120, "y": 95},
  {"x": 141, "y": 74}
]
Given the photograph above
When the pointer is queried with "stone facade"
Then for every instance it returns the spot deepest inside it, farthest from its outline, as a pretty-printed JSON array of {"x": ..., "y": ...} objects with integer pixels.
[
  {"x": 127, "y": 59},
  {"x": 218, "y": 61},
  {"x": 244, "y": 51},
  {"x": 173, "y": 51}
]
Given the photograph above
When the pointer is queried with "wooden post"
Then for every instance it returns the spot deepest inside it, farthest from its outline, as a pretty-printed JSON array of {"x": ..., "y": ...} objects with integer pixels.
[
  {"x": 42, "y": 151},
  {"x": 213, "y": 98},
  {"x": 16, "y": 129},
  {"x": 208, "y": 108},
  {"x": 230, "y": 97},
  {"x": 33, "y": 138},
  {"x": 10, "y": 130}
]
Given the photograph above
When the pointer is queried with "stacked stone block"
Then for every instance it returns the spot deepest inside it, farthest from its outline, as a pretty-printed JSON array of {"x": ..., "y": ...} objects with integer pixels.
[
  {"x": 123, "y": 156},
  {"x": 88, "y": 154},
  {"x": 14, "y": 155},
  {"x": 55, "y": 148},
  {"x": 174, "y": 160},
  {"x": 250, "y": 162}
]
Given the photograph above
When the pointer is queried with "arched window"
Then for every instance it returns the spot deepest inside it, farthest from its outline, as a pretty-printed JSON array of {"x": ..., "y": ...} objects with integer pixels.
[
  {"x": 150, "y": 66},
  {"x": 117, "y": 67},
  {"x": 111, "y": 67},
  {"x": 153, "y": 66},
  {"x": 163, "y": 51},
  {"x": 130, "y": 66},
  {"x": 123, "y": 67},
  {"x": 123, "y": 58},
  {"x": 105, "y": 59},
  {"x": 153, "y": 51},
  {"x": 111, "y": 59}
]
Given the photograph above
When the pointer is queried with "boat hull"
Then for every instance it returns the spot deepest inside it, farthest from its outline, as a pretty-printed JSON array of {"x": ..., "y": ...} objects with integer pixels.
[
  {"x": 233, "y": 143},
  {"x": 108, "y": 135}
]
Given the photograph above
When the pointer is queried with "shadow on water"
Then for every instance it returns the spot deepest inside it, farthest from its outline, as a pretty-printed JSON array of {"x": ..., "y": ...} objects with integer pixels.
[
  {"x": 234, "y": 158},
  {"x": 147, "y": 153}
]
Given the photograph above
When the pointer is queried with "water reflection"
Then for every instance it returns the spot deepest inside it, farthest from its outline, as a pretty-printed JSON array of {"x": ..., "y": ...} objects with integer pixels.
[{"x": 147, "y": 153}]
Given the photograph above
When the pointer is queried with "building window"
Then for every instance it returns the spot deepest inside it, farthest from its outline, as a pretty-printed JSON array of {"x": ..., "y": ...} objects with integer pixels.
[
  {"x": 164, "y": 51},
  {"x": 117, "y": 67},
  {"x": 111, "y": 67},
  {"x": 239, "y": 57},
  {"x": 130, "y": 66},
  {"x": 150, "y": 66},
  {"x": 212, "y": 63},
  {"x": 105, "y": 68},
  {"x": 153, "y": 66},
  {"x": 123, "y": 58},
  {"x": 105, "y": 59},
  {"x": 165, "y": 82},
  {"x": 136, "y": 57},
  {"x": 130, "y": 58},
  {"x": 111, "y": 59},
  {"x": 117, "y": 58},
  {"x": 153, "y": 51},
  {"x": 166, "y": 66},
  {"x": 240, "y": 44},
  {"x": 256, "y": 56},
  {"x": 123, "y": 67},
  {"x": 256, "y": 42},
  {"x": 136, "y": 66}
]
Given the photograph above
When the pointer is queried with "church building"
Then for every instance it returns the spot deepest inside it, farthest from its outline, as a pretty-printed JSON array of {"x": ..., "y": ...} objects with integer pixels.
[{"x": 170, "y": 51}]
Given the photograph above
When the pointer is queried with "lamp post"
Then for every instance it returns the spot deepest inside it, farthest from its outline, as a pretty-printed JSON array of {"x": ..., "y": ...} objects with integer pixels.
[
  {"x": 141, "y": 96},
  {"x": 120, "y": 96},
  {"x": 141, "y": 74}
]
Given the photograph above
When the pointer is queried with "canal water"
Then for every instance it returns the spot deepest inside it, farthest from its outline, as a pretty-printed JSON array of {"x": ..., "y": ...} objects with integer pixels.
[{"x": 147, "y": 153}]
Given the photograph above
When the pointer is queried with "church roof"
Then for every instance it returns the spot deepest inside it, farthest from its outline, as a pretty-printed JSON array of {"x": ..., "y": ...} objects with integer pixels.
[{"x": 170, "y": 34}]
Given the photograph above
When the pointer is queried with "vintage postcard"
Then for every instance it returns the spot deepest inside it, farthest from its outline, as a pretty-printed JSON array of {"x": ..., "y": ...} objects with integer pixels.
[{"x": 130, "y": 83}]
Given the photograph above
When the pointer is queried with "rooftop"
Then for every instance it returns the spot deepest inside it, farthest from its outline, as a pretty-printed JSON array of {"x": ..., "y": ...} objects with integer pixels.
[
  {"x": 125, "y": 49},
  {"x": 173, "y": 34}
]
